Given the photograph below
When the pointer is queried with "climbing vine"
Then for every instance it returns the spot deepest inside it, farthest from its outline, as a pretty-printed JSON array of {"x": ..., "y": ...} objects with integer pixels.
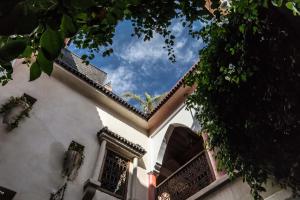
[
  {"x": 8, "y": 107},
  {"x": 248, "y": 86}
]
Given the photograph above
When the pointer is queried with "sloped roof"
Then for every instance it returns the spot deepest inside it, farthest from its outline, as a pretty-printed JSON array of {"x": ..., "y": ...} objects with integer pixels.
[
  {"x": 89, "y": 75},
  {"x": 89, "y": 70}
]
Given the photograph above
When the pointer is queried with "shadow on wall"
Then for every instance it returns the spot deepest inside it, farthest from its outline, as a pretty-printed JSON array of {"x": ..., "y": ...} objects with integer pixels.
[{"x": 31, "y": 156}]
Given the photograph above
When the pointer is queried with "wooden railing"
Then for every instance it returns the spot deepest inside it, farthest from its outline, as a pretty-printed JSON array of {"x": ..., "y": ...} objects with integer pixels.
[{"x": 187, "y": 180}]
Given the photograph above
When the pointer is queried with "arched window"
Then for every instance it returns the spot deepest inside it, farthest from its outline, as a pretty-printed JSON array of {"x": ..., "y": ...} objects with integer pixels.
[{"x": 184, "y": 164}]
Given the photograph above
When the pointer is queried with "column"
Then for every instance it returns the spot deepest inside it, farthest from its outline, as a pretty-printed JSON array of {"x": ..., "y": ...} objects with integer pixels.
[
  {"x": 100, "y": 160},
  {"x": 152, "y": 185},
  {"x": 132, "y": 179},
  {"x": 212, "y": 159}
]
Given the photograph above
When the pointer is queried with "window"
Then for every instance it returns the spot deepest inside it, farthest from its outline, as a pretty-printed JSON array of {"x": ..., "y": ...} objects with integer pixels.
[
  {"x": 111, "y": 173},
  {"x": 115, "y": 174}
]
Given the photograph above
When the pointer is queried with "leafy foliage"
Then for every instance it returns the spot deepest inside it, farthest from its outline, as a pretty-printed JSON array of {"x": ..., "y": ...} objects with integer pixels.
[
  {"x": 247, "y": 80},
  {"x": 11, "y": 104},
  {"x": 248, "y": 89},
  {"x": 148, "y": 103},
  {"x": 39, "y": 27}
]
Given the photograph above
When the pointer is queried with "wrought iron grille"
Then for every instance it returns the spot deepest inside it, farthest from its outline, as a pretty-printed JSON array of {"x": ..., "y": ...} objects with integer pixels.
[
  {"x": 6, "y": 194},
  {"x": 114, "y": 174},
  {"x": 59, "y": 195},
  {"x": 187, "y": 180}
]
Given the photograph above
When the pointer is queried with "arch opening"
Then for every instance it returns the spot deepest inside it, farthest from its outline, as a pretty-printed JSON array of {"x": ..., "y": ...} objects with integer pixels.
[{"x": 179, "y": 146}]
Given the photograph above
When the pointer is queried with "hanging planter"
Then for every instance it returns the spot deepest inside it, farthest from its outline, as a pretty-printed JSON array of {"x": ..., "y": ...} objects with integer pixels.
[
  {"x": 73, "y": 160},
  {"x": 16, "y": 109}
]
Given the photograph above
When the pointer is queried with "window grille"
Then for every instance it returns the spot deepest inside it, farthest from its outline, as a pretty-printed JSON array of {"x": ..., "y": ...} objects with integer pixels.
[
  {"x": 115, "y": 174},
  {"x": 6, "y": 194}
]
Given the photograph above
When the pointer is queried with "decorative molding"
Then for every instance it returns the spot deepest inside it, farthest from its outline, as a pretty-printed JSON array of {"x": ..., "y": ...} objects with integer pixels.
[{"x": 132, "y": 149}]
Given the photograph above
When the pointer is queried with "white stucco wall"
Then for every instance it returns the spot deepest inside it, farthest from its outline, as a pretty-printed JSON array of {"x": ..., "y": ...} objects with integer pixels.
[
  {"x": 239, "y": 190},
  {"x": 31, "y": 155}
]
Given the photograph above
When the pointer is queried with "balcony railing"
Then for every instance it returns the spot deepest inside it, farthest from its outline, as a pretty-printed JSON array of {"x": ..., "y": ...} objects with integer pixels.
[{"x": 187, "y": 180}]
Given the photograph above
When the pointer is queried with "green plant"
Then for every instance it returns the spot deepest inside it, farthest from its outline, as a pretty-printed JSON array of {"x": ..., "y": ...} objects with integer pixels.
[
  {"x": 12, "y": 103},
  {"x": 148, "y": 103},
  {"x": 38, "y": 28},
  {"x": 248, "y": 89},
  {"x": 247, "y": 79}
]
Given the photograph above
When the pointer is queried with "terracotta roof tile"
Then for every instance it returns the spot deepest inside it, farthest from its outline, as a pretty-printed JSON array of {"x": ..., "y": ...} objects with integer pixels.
[
  {"x": 171, "y": 92},
  {"x": 132, "y": 145},
  {"x": 102, "y": 89},
  {"x": 118, "y": 99}
]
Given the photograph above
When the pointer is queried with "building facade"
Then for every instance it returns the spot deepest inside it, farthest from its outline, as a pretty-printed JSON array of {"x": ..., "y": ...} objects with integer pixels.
[{"x": 81, "y": 141}]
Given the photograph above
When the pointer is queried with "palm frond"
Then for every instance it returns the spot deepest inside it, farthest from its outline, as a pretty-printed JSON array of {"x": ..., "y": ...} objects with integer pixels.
[
  {"x": 157, "y": 99},
  {"x": 148, "y": 103},
  {"x": 128, "y": 96}
]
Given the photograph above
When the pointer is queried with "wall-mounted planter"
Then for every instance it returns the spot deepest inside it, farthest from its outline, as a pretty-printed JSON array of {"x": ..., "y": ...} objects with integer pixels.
[
  {"x": 16, "y": 109},
  {"x": 73, "y": 160}
]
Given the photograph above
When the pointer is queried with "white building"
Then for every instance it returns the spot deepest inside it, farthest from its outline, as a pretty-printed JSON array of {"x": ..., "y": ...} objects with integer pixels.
[{"x": 127, "y": 154}]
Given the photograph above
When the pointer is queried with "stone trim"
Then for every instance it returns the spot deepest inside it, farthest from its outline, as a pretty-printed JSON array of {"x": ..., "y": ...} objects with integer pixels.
[{"x": 132, "y": 149}]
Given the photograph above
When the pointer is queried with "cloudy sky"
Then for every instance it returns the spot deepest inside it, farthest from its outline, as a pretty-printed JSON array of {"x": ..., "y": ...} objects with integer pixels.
[{"x": 139, "y": 66}]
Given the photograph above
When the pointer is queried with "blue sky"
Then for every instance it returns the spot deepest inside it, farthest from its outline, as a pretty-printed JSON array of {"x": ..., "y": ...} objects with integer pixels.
[{"x": 139, "y": 66}]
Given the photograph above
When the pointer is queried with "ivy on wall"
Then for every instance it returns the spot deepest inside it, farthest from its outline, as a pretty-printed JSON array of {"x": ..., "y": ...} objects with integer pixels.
[{"x": 12, "y": 117}]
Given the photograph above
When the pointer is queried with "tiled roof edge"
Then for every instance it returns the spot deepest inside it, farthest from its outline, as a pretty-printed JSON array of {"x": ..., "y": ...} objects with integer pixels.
[
  {"x": 171, "y": 92},
  {"x": 132, "y": 145},
  {"x": 113, "y": 96},
  {"x": 103, "y": 90}
]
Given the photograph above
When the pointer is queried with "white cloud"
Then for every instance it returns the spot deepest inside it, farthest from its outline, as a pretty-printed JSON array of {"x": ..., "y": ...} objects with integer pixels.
[
  {"x": 140, "y": 51},
  {"x": 122, "y": 79},
  {"x": 139, "y": 61},
  {"x": 177, "y": 29}
]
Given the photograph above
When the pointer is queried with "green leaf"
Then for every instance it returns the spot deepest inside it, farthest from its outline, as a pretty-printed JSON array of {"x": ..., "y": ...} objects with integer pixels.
[
  {"x": 67, "y": 26},
  {"x": 292, "y": 7},
  {"x": 27, "y": 52},
  {"x": 12, "y": 49},
  {"x": 277, "y": 3},
  {"x": 35, "y": 71},
  {"x": 242, "y": 28},
  {"x": 45, "y": 64},
  {"x": 51, "y": 43}
]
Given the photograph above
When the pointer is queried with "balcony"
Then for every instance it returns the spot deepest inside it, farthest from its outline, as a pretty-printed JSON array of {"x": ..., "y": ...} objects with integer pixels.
[{"x": 187, "y": 180}]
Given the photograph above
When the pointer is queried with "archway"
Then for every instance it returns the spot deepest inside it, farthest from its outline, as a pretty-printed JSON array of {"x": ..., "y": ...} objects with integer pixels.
[{"x": 179, "y": 146}]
